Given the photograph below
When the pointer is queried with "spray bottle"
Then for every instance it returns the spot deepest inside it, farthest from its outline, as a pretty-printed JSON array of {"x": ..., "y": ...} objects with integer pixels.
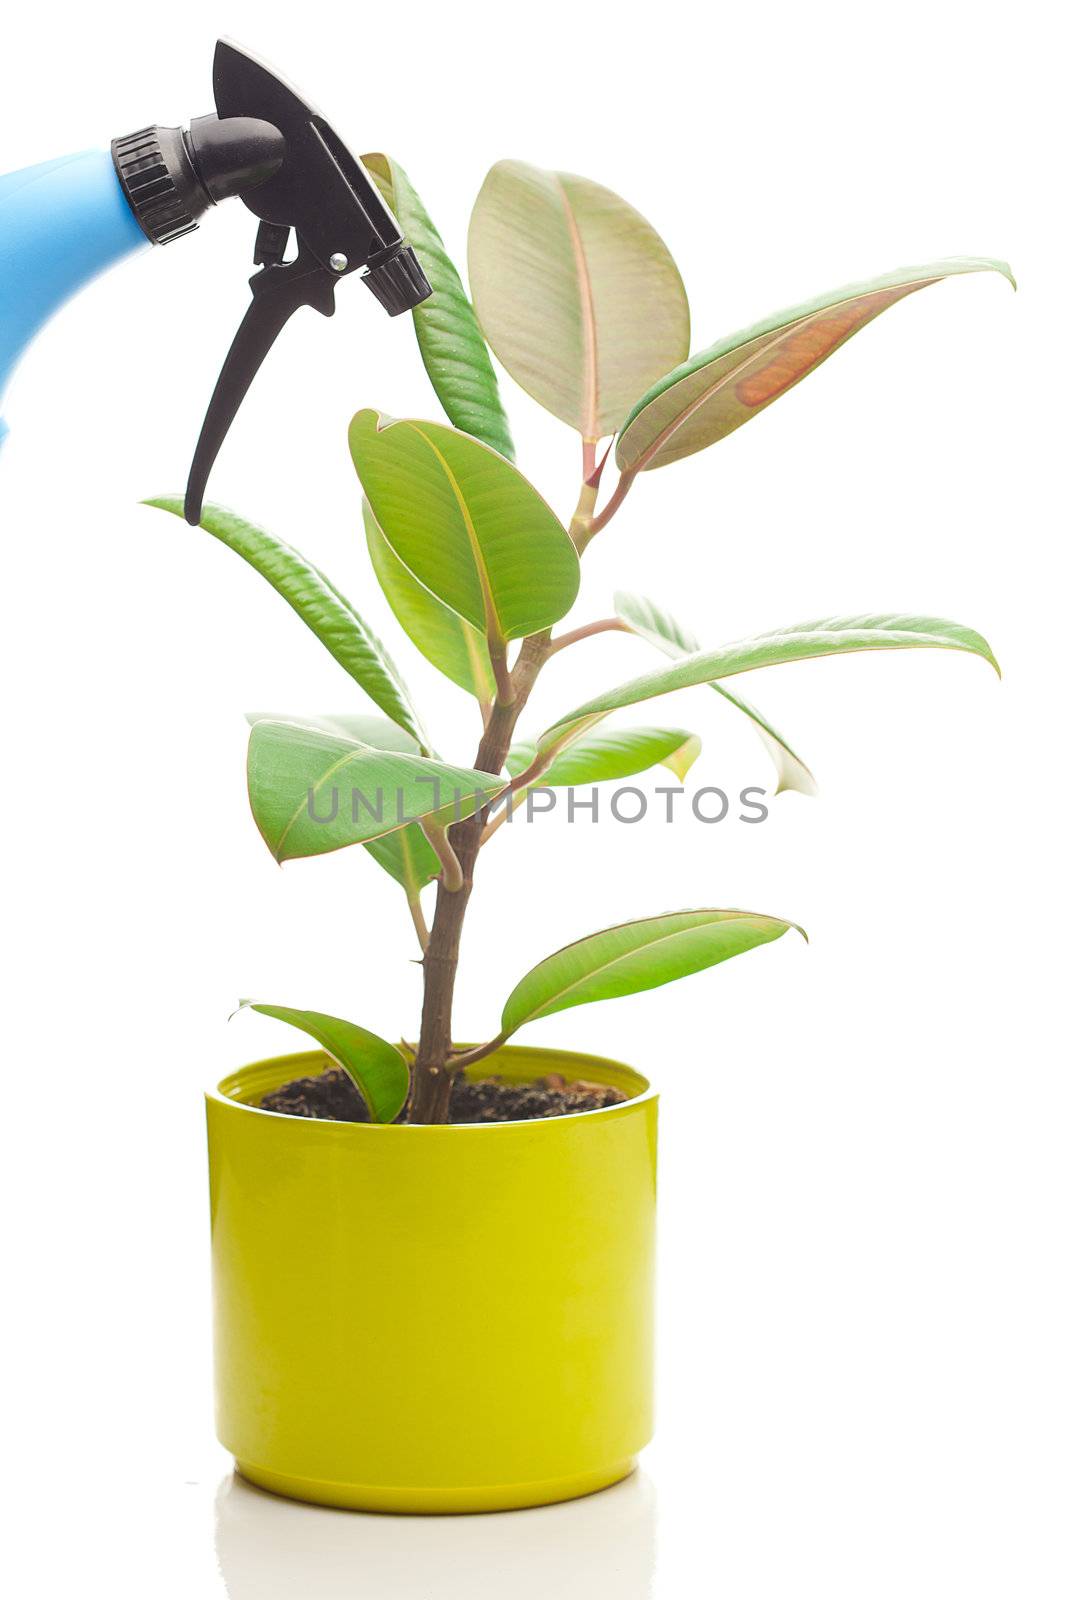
[{"x": 65, "y": 221}]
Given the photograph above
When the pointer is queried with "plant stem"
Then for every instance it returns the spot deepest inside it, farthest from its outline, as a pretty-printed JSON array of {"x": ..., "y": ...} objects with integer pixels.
[
  {"x": 518, "y": 786},
  {"x": 622, "y": 489},
  {"x": 451, "y": 871},
  {"x": 498, "y": 658},
  {"x": 421, "y": 930},
  {"x": 581, "y": 529},
  {"x": 430, "y": 1094},
  {"x": 433, "y": 1075},
  {"x": 435, "y": 1065},
  {"x": 505, "y": 811},
  {"x": 592, "y": 469},
  {"x": 605, "y": 625},
  {"x": 467, "y": 1058}
]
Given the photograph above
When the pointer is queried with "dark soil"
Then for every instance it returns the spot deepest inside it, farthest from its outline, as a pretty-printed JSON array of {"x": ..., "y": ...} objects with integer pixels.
[{"x": 333, "y": 1097}]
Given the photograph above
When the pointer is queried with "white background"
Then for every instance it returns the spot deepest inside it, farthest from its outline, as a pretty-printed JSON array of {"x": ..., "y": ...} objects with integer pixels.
[{"x": 863, "y": 1315}]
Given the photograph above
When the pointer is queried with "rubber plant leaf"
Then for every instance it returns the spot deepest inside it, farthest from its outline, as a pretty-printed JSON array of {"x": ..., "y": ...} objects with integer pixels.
[
  {"x": 379, "y": 732},
  {"x": 805, "y": 641},
  {"x": 715, "y": 391},
  {"x": 451, "y": 644},
  {"x": 647, "y": 620},
  {"x": 605, "y": 755},
  {"x": 312, "y": 791},
  {"x": 453, "y": 350},
  {"x": 407, "y": 855},
  {"x": 376, "y": 1067},
  {"x": 577, "y": 294},
  {"x": 467, "y": 524},
  {"x": 635, "y": 956},
  {"x": 317, "y": 603}
]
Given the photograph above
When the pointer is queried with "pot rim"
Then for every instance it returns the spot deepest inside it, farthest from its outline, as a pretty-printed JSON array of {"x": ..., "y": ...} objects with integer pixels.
[{"x": 222, "y": 1094}]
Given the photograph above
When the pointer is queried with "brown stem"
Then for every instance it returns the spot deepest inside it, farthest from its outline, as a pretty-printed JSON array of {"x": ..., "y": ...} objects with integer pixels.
[
  {"x": 597, "y": 473},
  {"x": 431, "y": 1090},
  {"x": 498, "y": 660},
  {"x": 622, "y": 489},
  {"x": 467, "y": 1058},
  {"x": 432, "y": 1077},
  {"x": 434, "y": 1070},
  {"x": 505, "y": 800},
  {"x": 605, "y": 625},
  {"x": 505, "y": 812}
]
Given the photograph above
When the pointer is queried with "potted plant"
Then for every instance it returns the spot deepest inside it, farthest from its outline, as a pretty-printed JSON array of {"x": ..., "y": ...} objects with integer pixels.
[{"x": 433, "y": 1262}]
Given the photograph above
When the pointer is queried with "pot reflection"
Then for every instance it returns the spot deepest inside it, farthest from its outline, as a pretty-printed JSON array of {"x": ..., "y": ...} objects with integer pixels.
[{"x": 269, "y": 1548}]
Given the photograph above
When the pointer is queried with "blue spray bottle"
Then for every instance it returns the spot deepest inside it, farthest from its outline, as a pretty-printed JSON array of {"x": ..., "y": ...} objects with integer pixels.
[{"x": 64, "y": 221}]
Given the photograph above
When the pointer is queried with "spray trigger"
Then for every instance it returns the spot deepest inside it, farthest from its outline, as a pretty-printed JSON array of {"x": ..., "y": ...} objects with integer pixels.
[{"x": 267, "y": 145}]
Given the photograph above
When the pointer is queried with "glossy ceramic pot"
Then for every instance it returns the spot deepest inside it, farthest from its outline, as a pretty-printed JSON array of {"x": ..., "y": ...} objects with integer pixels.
[{"x": 433, "y": 1319}]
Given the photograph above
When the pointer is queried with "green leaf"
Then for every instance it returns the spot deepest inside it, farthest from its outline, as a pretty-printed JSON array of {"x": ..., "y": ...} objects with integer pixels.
[
  {"x": 832, "y": 636},
  {"x": 792, "y": 772},
  {"x": 318, "y": 604},
  {"x": 635, "y": 956},
  {"x": 377, "y": 1068},
  {"x": 645, "y": 618},
  {"x": 577, "y": 294},
  {"x": 407, "y": 855},
  {"x": 378, "y": 732},
  {"x": 312, "y": 791},
  {"x": 715, "y": 391},
  {"x": 467, "y": 524},
  {"x": 452, "y": 645},
  {"x": 603, "y": 756},
  {"x": 453, "y": 350}
]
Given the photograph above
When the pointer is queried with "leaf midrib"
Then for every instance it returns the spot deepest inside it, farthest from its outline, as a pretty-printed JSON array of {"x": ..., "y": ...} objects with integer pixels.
[
  {"x": 493, "y": 628},
  {"x": 664, "y": 938},
  {"x": 709, "y": 394},
  {"x": 482, "y": 683},
  {"x": 590, "y": 377},
  {"x": 897, "y": 641},
  {"x": 349, "y": 755}
]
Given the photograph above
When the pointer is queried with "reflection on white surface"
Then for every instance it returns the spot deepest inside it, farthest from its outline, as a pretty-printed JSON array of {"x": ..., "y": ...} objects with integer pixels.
[{"x": 269, "y": 1548}]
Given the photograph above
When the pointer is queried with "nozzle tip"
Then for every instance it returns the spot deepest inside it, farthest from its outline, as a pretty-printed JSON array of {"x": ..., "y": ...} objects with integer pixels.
[{"x": 398, "y": 282}]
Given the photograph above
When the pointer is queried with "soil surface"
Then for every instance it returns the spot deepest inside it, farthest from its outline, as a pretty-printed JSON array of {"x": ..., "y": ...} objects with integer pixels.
[{"x": 333, "y": 1097}]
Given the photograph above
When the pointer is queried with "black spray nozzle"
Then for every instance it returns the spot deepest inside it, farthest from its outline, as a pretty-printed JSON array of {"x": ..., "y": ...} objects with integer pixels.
[
  {"x": 398, "y": 281},
  {"x": 234, "y": 154},
  {"x": 267, "y": 146}
]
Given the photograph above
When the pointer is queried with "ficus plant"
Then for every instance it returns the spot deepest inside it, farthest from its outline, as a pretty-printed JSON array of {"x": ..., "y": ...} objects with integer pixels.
[{"x": 581, "y": 302}]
